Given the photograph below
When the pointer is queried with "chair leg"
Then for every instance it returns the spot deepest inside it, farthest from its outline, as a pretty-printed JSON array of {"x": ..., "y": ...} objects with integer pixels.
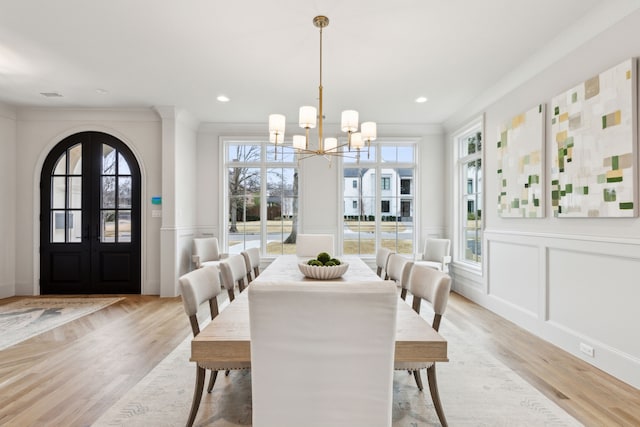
[
  {"x": 403, "y": 294},
  {"x": 212, "y": 380},
  {"x": 435, "y": 396},
  {"x": 226, "y": 373},
  {"x": 416, "y": 375},
  {"x": 197, "y": 395}
]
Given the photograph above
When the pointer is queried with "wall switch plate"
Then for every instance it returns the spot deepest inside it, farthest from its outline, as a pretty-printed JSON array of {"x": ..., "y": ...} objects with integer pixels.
[
  {"x": 587, "y": 349},
  {"x": 156, "y": 213}
]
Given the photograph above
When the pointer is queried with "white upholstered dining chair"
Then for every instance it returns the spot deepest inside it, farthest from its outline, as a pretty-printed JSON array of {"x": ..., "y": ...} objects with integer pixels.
[
  {"x": 382, "y": 257},
  {"x": 205, "y": 252},
  {"x": 322, "y": 353},
  {"x": 433, "y": 286},
  {"x": 310, "y": 245},
  {"x": 436, "y": 254},
  {"x": 200, "y": 286},
  {"x": 399, "y": 270},
  {"x": 233, "y": 271},
  {"x": 252, "y": 263}
]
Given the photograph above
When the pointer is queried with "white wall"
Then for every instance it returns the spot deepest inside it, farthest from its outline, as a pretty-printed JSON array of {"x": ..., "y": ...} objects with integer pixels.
[
  {"x": 567, "y": 280},
  {"x": 179, "y": 198},
  {"x": 7, "y": 206},
  {"x": 319, "y": 184},
  {"x": 38, "y": 131}
]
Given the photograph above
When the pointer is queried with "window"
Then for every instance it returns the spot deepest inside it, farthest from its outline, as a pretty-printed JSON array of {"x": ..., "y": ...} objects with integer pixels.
[
  {"x": 386, "y": 183},
  {"x": 469, "y": 148},
  {"x": 371, "y": 222},
  {"x": 261, "y": 197},
  {"x": 405, "y": 186}
]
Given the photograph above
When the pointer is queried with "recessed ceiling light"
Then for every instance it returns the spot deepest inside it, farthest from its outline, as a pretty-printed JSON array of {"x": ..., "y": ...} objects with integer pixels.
[
  {"x": 223, "y": 98},
  {"x": 51, "y": 94},
  {"x": 421, "y": 99}
]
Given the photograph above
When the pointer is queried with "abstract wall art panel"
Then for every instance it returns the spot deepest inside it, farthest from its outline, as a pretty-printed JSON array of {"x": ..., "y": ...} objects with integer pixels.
[
  {"x": 593, "y": 141},
  {"x": 521, "y": 165}
]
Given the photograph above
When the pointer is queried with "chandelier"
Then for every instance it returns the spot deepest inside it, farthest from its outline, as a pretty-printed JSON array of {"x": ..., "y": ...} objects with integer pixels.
[{"x": 309, "y": 115}]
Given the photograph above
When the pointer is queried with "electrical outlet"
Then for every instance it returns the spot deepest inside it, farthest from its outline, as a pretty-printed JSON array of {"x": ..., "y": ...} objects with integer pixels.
[{"x": 587, "y": 349}]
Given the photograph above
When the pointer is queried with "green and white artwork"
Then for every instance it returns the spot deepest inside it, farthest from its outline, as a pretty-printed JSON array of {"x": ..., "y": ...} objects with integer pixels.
[
  {"x": 520, "y": 165},
  {"x": 593, "y": 140}
]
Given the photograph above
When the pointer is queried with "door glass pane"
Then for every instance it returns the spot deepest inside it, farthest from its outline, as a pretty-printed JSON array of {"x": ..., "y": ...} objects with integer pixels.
[
  {"x": 74, "y": 226},
  {"x": 57, "y": 226},
  {"x": 75, "y": 160},
  {"x": 124, "y": 192},
  {"x": 61, "y": 165},
  {"x": 75, "y": 192},
  {"x": 124, "y": 226},
  {"x": 108, "y": 226},
  {"x": 108, "y": 192},
  {"x": 123, "y": 166},
  {"x": 108, "y": 160},
  {"x": 58, "y": 192}
]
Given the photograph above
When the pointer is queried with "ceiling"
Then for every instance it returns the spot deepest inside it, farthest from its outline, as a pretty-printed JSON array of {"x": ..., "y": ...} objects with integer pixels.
[{"x": 378, "y": 56}]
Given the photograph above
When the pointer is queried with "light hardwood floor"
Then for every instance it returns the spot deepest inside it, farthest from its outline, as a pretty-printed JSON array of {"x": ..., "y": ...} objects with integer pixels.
[{"x": 71, "y": 375}]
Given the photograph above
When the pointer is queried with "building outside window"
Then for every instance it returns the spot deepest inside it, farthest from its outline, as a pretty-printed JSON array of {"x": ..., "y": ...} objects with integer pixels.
[
  {"x": 370, "y": 222},
  {"x": 470, "y": 196},
  {"x": 261, "y": 201}
]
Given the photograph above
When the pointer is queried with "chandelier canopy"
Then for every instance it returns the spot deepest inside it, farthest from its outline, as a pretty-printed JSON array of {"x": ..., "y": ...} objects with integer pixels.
[{"x": 309, "y": 117}]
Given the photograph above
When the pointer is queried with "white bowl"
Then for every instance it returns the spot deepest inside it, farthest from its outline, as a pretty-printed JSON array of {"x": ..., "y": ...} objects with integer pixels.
[{"x": 324, "y": 272}]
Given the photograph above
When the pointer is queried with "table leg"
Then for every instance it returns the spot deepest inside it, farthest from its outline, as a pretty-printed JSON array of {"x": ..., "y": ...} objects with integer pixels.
[
  {"x": 197, "y": 395},
  {"x": 435, "y": 396}
]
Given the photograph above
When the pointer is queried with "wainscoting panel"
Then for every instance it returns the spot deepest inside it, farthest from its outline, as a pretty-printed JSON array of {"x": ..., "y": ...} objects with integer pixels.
[
  {"x": 571, "y": 290},
  {"x": 518, "y": 284},
  {"x": 596, "y": 296}
]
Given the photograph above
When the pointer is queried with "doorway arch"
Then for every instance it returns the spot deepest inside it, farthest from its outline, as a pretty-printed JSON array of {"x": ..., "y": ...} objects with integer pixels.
[{"x": 90, "y": 217}]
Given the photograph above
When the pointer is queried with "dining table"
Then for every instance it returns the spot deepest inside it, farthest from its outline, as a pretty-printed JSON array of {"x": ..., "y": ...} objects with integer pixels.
[{"x": 227, "y": 338}]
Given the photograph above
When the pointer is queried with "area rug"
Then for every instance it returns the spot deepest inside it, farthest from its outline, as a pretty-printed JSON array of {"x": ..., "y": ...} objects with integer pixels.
[
  {"x": 28, "y": 317},
  {"x": 475, "y": 388}
]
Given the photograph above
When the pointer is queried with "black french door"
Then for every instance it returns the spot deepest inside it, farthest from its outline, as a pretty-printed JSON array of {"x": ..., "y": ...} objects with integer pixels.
[{"x": 90, "y": 217}]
